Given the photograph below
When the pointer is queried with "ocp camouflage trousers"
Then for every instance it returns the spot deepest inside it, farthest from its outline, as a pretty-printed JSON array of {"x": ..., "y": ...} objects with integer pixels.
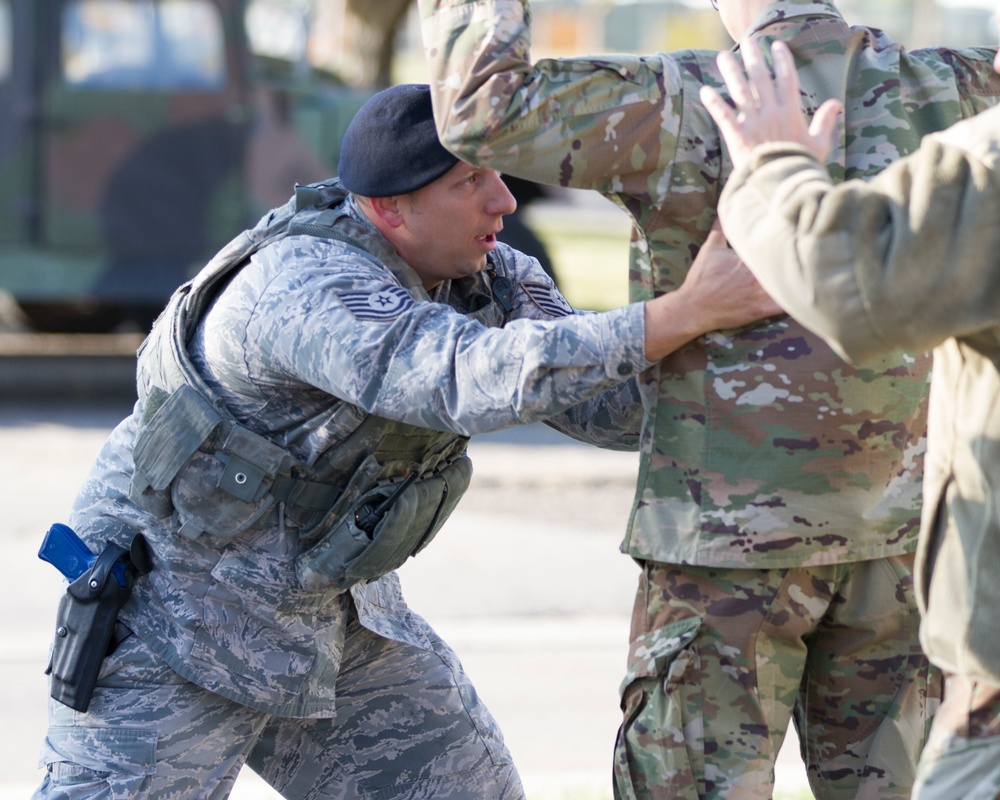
[
  {"x": 721, "y": 660},
  {"x": 408, "y": 725},
  {"x": 962, "y": 758}
]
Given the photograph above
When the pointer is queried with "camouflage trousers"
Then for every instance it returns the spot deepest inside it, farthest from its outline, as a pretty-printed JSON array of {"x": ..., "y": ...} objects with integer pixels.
[
  {"x": 962, "y": 757},
  {"x": 722, "y": 659},
  {"x": 408, "y": 725}
]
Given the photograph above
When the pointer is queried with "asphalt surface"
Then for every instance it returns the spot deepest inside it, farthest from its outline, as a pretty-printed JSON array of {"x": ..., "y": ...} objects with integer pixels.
[{"x": 525, "y": 582}]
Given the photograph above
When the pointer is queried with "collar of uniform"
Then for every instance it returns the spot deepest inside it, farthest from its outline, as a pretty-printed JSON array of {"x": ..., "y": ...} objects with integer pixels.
[
  {"x": 783, "y": 10},
  {"x": 403, "y": 272}
]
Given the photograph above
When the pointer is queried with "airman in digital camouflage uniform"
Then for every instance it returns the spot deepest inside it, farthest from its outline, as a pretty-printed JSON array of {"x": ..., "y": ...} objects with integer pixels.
[
  {"x": 923, "y": 273},
  {"x": 778, "y": 495},
  {"x": 304, "y": 408}
]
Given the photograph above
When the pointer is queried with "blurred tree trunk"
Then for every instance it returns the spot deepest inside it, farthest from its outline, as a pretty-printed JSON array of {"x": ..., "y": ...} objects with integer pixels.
[{"x": 377, "y": 23}]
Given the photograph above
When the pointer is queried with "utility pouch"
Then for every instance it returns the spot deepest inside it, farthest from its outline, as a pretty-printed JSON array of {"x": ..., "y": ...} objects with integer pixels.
[
  {"x": 227, "y": 491},
  {"x": 216, "y": 476},
  {"x": 85, "y": 621},
  {"x": 384, "y": 527},
  {"x": 181, "y": 424}
]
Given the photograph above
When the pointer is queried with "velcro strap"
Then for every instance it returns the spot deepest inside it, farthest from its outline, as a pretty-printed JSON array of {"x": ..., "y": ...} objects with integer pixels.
[
  {"x": 300, "y": 492},
  {"x": 177, "y": 429}
]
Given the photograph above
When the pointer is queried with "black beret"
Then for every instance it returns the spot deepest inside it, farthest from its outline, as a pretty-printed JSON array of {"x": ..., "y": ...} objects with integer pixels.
[{"x": 391, "y": 146}]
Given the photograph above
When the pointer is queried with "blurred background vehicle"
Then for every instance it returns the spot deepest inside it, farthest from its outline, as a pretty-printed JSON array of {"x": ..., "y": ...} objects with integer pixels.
[{"x": 140, "y": 135}]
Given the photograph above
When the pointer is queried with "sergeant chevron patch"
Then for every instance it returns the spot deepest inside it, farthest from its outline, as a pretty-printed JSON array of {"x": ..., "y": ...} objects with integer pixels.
[
  {"x": 386, "y": 303},
  {"x": 547, "y": 298}
]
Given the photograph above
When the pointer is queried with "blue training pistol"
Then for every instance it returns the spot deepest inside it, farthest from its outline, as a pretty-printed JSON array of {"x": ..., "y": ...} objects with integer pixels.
[{"x": 69, "y": 554}]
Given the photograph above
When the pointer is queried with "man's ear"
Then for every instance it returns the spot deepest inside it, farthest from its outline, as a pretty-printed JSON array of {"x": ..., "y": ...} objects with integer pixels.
[{"x": 387, "y": 209}]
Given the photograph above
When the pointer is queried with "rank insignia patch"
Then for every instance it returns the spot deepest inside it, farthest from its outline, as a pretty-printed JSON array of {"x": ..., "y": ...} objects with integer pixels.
[
  {"x": 547, "y": 299},
  {"x": 386, "y": 303}
]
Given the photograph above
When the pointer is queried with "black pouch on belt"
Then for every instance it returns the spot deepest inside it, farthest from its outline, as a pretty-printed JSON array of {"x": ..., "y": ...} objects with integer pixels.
[{"x": 85, "y": 621}]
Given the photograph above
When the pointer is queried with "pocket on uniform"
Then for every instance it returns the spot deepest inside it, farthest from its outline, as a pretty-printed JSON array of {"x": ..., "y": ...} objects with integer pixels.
[
  {"x": 660, "y": 697},
  {"x": 224, "y": 494},
  {"x": 115, "y": 760}
]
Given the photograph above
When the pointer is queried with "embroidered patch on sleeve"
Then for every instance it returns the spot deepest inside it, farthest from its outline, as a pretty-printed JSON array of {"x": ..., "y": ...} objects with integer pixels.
[
  {"x": 385, "y": 303},
  {"x": 547, "y": 299}
]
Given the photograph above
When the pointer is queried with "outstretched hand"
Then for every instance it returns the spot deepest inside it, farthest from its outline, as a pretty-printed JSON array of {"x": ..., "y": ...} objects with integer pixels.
[
  {"x": 723, "y": 289},
  {"x": 718, "y": 293},
  {"x": 766, "y": 110}
]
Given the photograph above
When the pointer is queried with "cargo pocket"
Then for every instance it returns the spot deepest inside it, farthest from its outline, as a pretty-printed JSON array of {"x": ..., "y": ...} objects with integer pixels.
[
  {"x": 98, "y": 762},
  {"x": 661, "y": 702}
]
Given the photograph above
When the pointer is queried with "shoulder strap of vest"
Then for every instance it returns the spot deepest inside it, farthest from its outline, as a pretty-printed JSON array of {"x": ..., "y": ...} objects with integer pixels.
[
  {"x": 276, "y": 224},
  {"x": 314, "y": 210}
]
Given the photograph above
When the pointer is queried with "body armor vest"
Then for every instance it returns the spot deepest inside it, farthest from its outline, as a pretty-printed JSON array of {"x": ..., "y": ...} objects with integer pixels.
[{"x": 366, "y": 505}]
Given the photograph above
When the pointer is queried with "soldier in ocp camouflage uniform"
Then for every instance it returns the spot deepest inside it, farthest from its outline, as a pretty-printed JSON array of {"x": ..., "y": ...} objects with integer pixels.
[
  {"x": 778, "y": 496},
  {"x": 304, "y": 407}
]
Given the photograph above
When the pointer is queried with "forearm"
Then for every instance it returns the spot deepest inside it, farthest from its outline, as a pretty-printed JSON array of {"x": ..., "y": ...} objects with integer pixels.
[
  {"x": 480, "y": 380},
  {"x": 671, "y": 323},
  {"x": 612, "y": 419}
]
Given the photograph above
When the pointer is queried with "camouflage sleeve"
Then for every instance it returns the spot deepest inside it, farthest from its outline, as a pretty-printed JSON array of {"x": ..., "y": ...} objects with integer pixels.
[
  {"x": 102, "y": 501},
  {"x": 966, "y": 72},
  {"x": 905, "y": 260},
  {"x": 582, "y": 122},
  {"x": 340, "y": 323},
  {"x": 611, "y": 419}
]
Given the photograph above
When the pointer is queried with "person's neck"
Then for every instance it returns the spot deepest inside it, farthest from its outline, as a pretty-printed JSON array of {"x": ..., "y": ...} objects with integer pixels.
[{"x": 741, "y": 14}]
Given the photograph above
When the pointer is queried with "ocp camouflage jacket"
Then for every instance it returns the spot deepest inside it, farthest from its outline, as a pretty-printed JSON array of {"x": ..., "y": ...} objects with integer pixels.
[{"x": 761, "y": 448}]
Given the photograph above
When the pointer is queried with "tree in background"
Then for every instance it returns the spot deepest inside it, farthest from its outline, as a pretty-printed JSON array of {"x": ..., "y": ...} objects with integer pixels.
[{"x": 378, "y": 23}]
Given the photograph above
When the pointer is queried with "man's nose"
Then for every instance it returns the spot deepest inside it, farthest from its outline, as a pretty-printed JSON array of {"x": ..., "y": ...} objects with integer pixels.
[{"x": 501, "y": 200}]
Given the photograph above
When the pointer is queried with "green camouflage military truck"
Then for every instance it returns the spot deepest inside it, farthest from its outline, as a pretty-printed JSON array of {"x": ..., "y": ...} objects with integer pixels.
[{"x": 137, "y": 136}]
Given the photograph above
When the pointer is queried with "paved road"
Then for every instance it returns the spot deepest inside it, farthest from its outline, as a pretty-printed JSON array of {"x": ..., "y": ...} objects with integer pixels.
[{"x": 525, "y": 582}]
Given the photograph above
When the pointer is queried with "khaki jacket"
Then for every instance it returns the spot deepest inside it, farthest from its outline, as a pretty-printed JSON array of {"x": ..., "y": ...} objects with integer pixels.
[{"x": 910, "y": 260}]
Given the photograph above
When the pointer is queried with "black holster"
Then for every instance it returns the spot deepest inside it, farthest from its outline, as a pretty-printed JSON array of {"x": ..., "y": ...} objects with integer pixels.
[{"x": 85, "y": 621}]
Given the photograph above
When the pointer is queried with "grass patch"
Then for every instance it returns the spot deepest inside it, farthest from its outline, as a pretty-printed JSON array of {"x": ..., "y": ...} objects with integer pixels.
[{"x": 589, "y": 251}]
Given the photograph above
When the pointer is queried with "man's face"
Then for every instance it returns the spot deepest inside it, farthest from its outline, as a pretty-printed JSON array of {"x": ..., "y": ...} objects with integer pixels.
[{"x": 451, "y": 224}]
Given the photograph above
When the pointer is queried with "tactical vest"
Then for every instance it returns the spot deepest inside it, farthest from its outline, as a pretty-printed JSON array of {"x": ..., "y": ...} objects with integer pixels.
[{"x": 366, "y": 505}]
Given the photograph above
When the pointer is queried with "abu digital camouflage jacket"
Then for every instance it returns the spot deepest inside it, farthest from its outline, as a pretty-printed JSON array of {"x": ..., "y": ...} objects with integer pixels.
[
  {"x": 761, "y": 448},
  {"x": 330, "y": 366}
]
